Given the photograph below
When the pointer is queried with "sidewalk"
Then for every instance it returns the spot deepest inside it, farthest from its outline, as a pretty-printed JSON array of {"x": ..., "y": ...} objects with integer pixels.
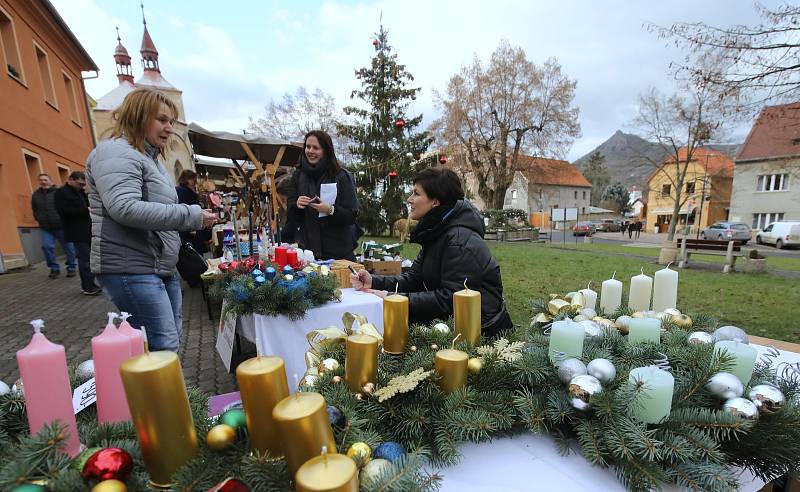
[{"x": 72, "y": 319}]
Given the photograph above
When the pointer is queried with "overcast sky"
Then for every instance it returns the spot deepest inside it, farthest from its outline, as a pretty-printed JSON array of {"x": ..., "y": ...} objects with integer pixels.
[{"x": 230, "y": 58}]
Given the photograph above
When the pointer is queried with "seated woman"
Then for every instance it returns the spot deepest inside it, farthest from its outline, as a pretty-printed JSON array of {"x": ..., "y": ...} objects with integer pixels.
[{"x": 450, "y": 231}]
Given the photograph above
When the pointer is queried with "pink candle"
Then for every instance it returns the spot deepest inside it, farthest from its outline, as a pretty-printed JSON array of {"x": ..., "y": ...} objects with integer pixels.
[
  {"x": 109, "y": 350},
  {"x": 280, "y": 255},
  {"x": 135, "y": 336},
  {"x": 291, "y": 258},
  {"x": 48, "y": 396}
]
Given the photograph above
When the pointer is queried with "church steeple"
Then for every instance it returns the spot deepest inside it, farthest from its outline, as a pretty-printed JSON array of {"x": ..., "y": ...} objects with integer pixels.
[
  {"x": 123, "y": 61},
  {"x": 148, "y": 50}
]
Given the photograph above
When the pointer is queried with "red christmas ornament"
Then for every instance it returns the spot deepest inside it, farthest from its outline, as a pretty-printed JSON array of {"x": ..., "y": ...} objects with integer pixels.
[
  {"x": 393, "y": 174},
  {"x": 261, "y": 265},
  {"x": 442, "y": 159},
  {"x": 400, "y": 123},
  {"x": 249, "y": 263},
  {"x": 224, "y": 267},
  {"x": 108, "y": 463},
  {"x": 376, "y": 43},
  {"x": 234, "y": 265},
  {"x": 230, "y": 485}
]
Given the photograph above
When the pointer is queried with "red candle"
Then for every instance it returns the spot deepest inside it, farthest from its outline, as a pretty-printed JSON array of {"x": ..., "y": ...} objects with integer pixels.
[
  {"x": 291, "y": 258},
  {"x": 280, "y": 255},
  {"x": 109, "y": 350},
  {"x": 48, "y": 396},
  {"x": 135, "y": 336}
]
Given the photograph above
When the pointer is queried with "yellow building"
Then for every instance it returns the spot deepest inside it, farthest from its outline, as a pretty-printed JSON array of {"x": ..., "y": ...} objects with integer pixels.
[{"x": 705, "y": 194}]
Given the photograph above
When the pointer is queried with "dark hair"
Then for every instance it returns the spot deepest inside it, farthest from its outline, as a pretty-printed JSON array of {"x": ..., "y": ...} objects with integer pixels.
[
  {"x": 44, "y": 174},
  {"x": 326, "y": 143},
  {"x": 440, "y": 183},
  {"x": 77, "y": 175},
  {"x": 186, "y": 175}
]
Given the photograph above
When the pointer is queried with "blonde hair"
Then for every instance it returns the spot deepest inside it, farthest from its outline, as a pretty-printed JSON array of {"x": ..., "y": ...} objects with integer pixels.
[{"x": 133, "y": 116}]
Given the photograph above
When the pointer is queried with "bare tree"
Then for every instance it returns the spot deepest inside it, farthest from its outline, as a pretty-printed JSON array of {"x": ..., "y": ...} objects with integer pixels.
[
  {"x": 682, "y": 124},
  {"x": 492, "y": 114}
]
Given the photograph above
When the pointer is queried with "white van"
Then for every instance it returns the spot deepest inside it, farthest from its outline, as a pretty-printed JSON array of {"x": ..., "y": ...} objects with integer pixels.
[{"x": 781, "y": 234}]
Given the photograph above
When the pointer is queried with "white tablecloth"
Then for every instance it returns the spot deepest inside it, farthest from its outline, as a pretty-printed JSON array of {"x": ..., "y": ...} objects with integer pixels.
[{"x": 278, "y": 335}]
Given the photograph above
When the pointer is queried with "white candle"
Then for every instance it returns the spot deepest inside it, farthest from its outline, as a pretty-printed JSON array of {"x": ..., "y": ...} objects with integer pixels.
[
  {"x": 610, "y": 295},
  {"x": 589, "y": 297},
  {"x": 665, "y": 290},
  {"x": 639, "y": 295}
]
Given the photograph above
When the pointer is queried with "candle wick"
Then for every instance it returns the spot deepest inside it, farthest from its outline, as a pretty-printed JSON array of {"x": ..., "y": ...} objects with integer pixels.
[
  {"x": 668, "y": 264},
  {"x": 37, "y": 324},
  {"x": 112, "y": 317},
  {"x": 614, "y": 274},
  {"x": 146, "y": 345},
  {"x": 589, "y": 287},
  {"x": 454, "y": 341},
  {"x": 396, "y": 287},
  {"x": 465, "y": 284},
  {"x": 642, "y": 270}
]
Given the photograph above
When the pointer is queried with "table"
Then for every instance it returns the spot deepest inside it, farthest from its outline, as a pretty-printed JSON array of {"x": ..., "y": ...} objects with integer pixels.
[{"x": 278, "y": 335}]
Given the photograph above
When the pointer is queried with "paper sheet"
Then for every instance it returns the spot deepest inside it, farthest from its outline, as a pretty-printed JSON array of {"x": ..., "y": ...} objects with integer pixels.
[{"x": 327, "y": 192}]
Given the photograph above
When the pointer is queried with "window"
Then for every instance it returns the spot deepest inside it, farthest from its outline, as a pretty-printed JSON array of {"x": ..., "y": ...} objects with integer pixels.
[
  {"x": 576, "y": 195},
  {"x": 666, "y": 190},
  {"x": 8, "y": 43},
  {"x": 760, "y": 221},
  {"x": 44, "y": 73},
  {"x": 63, "y": 173},
  {"x": 34, "y": 168},
  {"x": 584, "y": 195},
  {"x": 773, "y": 182},
  {"x": 513, "y": 194},
  {"x": 71, "y": 98},
  {"x": 690, "y": 187}
]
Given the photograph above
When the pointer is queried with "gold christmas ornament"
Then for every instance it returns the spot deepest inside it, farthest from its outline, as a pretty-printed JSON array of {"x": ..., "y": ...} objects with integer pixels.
[
  {"x": 682, "y": 321},
  {"x": 329, "y": 365},
  {"x": 360, "y": 451},
  {"x": 336, "y": 379},
  {"x": 110, "y": 486},
  {"x": 413, "y": 348},
  {"x": 558, "y": 305},
  {"x": 474, "y": 365},
  {"x": 441, "y": 328},
  {"x": 578, "y": 301},
  {"x": 220, "y": 437},
  {"x": 359, "y": 396},
  {"x": 434, "y": 346},
  {"x": 368, "y": 388},
  {"x": 623, "y": 324}
]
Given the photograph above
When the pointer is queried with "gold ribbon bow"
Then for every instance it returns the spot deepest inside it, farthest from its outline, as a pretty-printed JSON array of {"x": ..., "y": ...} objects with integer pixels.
[
  {"x": 333, "y": 335},
  {"x": 574, "y": 301}
]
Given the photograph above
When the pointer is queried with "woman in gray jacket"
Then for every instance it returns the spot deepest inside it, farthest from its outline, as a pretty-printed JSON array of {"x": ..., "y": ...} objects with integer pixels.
[{"x": 136, "y": 215}]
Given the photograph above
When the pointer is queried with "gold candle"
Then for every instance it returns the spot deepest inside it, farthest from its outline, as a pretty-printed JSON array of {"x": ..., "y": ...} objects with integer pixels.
[
  {"x": 361, "y": 361},
  {"x": 303, "y": 425},
  {"x": 395, "y": 323},
  {"x": 451, "y": 366},
  {"x": 467, "y": 314},
  {"x": 160, "y": 411},
  {"x": 327, "y": 473},
  {"x": 262, "y": 384}
]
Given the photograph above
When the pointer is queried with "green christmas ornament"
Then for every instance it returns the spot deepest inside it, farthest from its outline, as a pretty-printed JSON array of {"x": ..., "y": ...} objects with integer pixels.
[
  {"x": 82, "y": 458},
  {"x": 234, "y": 418},
  {"x": 29, "y": 487}
]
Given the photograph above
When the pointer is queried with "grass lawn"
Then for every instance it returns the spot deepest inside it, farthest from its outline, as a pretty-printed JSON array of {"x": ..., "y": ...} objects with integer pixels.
[{"x": 762, "y": 304}]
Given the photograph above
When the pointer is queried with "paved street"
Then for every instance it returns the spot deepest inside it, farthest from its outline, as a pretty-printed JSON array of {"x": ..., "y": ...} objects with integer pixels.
[{"x": 72, "y": 319}]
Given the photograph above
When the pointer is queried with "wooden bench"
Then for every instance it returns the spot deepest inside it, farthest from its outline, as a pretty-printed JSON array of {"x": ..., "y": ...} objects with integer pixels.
[{"x": 729, "y": 249}]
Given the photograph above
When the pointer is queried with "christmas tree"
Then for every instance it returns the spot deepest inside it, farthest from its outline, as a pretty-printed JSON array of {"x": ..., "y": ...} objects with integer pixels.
[{"x": 384, "y": 140}]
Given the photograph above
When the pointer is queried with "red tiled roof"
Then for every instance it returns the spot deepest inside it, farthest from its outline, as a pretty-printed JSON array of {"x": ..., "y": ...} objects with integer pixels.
[
  {"x": 555, "y": 172},
  {"x": 716, "y": 162},
  {"x": 776, "y": 133}
]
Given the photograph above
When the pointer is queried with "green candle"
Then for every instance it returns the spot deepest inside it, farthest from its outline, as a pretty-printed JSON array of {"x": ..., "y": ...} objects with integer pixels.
[
  {"x": 744, "y": 355},
  {"x": 566, "y": 336},
  {"x": 654, "y": 399},
  {"x": 644, "y": 330}
]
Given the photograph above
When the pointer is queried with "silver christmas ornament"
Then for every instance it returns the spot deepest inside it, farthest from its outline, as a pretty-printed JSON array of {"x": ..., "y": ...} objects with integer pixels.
[
  {"x": 699, "y": 338},
  {"x": 741, "y": 407},
  {"x": 582, "y": 389},
  {"x": 569, "y": 368},
  {"x": 4, "y": 389},
  {"x": 591, "y": 329},
  {"x": 623, "y": 324},
  {"x": 588, "y": 312},
  {"x": 602, "y": 369},
  {"x": 725, "y": 385},
  {"x": 767, "y": 398},
  {"x": 672, "y": 312},
  {"x": 85, "y": 370},
  {"x": 730, "y": 333},
  {"x": 329, "y": 365},
  {"x": 441, "y": 328},
  {"x": 17, "y": 387}
]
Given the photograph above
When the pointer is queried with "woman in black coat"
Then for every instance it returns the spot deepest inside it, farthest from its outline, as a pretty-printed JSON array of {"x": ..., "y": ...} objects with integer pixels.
[
  {"x": 450, "y": 232},
  {"x": 323, "y": 201}
]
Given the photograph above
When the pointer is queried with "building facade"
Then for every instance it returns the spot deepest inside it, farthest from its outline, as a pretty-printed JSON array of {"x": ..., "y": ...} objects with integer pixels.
[
  {"x": 705, "y": 195},
  {"x": 178, "y": 154},
  {"x": 766, "y": 181},
  {"x": 45, "y": 124}
]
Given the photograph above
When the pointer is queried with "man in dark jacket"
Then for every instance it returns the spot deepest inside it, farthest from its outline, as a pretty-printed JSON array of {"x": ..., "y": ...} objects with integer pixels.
[
  {"x": 72, "y": 205},
  {"x": 45, "y": 213}
]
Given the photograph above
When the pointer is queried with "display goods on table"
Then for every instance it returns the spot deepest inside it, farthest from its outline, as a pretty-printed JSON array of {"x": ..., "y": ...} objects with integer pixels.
[{"x": 666, "y": 408}]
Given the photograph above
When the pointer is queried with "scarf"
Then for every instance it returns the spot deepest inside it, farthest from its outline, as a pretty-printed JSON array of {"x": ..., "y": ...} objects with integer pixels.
[
  {"x": 314, "y": 172},
  {"x": 431, "y": 223}
]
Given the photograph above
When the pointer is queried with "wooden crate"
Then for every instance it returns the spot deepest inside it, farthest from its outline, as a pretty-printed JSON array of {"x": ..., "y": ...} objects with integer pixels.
[
  {"x": 341, "y": 270},
  {"x": 384, "y": 267}
]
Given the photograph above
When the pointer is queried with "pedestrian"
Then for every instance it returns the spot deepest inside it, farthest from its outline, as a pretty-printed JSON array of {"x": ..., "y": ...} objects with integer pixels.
[
  {"x": 187, "y": 194},
  {"x": 638, "y": 228},
  {"x": 73, "y": 208},
  {"x": 43, "y": 203},
  {"x": 136, "y": 217},
  {"x": 631, "y": 227},
  {"x": 624, "y": 227}
]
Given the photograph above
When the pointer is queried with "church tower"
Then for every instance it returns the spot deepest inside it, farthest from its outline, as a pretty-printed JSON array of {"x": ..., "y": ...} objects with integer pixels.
[{"x": 123, "y": 61}]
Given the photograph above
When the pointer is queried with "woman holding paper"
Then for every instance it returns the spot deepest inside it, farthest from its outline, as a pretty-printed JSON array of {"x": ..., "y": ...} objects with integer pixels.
[
  {"x": 450, "y": 231},
  {"x": 323, "y": 200}
]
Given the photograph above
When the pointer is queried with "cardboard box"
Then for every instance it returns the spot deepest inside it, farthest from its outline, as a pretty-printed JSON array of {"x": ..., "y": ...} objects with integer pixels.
[
  {"x": 341, "y": 270},
  {"x": 384, "y": 267}
]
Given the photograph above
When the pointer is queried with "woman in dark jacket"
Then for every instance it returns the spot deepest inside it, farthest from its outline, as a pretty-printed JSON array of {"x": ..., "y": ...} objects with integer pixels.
[
  {"x": 323, "y": 200},
  {"x": 450, "y": 232},
  {"x": 187, "y": 194}
]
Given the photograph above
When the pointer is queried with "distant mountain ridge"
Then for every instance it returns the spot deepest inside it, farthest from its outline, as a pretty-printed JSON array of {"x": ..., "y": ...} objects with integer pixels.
[{"x": 630, "y": 159}]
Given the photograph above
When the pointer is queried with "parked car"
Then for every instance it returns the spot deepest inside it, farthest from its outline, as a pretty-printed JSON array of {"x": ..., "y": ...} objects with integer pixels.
[
  {"x": 781, "y": 234},
  {"x": 609, "y": 225},
  {"x": 583, "y": 229},
  {"x": 725, "y": 231}
]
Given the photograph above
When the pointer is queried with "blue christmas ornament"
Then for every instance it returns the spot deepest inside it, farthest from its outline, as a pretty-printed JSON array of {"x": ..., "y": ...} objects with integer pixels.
[
  {"x": 260, "y": 280},
  {"x": 239, "y": 292},
  {"x": 335, "y": 416},
  {"x": 270, "y": 274},
  {"x": 256, "y": 272},
  {"x": 296, "y": 283},
  {"x": 389, "y": 450},
  {"x": 287, "y": 270}
]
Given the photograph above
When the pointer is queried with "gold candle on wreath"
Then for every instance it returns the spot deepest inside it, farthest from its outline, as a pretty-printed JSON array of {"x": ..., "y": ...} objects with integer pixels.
[
  {"x": 361, "y": 361},
  {"x": 395, "y": 323},
  {"x": 262, "y": 384},
  {"x": 328, "y": 472},
  {"x": 467, "y": 314},
  {"x": 160, "y": 411},
  {"x": 304, "y": 427},
  {"x": 451, "y": 366}
]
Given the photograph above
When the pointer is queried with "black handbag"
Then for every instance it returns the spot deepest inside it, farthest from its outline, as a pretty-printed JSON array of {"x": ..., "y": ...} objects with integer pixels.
[{"x": 191, "y": 264}]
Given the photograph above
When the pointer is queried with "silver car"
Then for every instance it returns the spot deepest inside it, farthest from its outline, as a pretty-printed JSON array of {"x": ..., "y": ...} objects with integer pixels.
[{"x": 725, "y": 231}]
